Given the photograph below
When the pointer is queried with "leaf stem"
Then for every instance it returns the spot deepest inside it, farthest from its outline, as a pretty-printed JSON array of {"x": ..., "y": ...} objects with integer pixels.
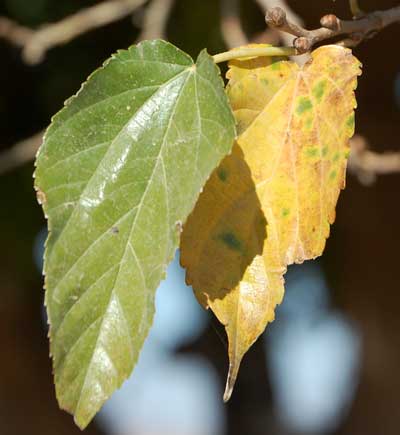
[{"x": 238, "y": 53}]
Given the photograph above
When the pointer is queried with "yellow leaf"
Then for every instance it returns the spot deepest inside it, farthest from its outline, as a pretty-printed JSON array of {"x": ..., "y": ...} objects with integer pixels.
[
  {"x": 252, "y": 84},
  {"x": 271, "y": 202}
]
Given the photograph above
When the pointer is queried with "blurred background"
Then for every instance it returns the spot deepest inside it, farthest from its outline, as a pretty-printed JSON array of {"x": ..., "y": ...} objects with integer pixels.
[{"x": 327, "y": 365}]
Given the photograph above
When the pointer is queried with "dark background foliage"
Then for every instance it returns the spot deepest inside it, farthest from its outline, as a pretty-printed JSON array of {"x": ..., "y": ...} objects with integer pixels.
[{"x": 362, "y": 254}]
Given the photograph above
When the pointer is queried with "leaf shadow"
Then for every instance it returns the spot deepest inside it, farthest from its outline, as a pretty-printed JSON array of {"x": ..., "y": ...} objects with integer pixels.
[{"x": 225, "y": 231}]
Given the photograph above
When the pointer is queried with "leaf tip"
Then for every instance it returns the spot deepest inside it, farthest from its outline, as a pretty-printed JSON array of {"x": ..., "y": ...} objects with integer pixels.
[
  {"x": 228, "y": 392},
  {"x": 230, "y": 381},
  {"x": 82, "y": 425}
]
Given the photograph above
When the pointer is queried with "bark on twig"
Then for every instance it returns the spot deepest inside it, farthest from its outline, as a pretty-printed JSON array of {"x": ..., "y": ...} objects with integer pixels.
[
  {"x": 332, "y": 26},
  {"x": 20, "y": 153},
  {"x": 267, "y": 5},
  {"x": 156, "y": 19},
  {"x": 36, "y": 43},
  {"x": 231, "y": 26},
  {"x": 367, "y": 164}
]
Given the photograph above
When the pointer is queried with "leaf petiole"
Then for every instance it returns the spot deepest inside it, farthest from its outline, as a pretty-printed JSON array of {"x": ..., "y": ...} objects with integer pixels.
[{"x": 238, "y": 53}]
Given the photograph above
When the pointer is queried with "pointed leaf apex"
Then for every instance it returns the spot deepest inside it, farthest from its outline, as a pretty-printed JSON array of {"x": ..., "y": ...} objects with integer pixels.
[{"x": 231, "y": 380}]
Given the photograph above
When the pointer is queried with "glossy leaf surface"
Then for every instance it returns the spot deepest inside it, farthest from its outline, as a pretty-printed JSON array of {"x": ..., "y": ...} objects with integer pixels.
[{"x": 120, "y": 169}]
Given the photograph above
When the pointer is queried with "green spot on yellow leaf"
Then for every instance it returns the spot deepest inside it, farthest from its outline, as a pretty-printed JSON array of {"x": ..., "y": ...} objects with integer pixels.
[
  {"x": 336, "y": 156},
  {"x": 304, "y": 104},
  {"x": 319, "y": 90},
  {"x": 350, "y": 121},
  {"x": 333, "y": 175},
  {"x": 312, "y": 151}
]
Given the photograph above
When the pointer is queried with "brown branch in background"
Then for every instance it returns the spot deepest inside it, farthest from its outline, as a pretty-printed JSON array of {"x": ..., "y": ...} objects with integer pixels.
[
  {"x": 36, "y": 43},
  {"x": 156, "y": 19},
  {"x": 14, "y": 33},
  {"x": 232, "y": 30},
  {"x": 363, "y": 163},
  {"x": 20, "y": 153},
  {"x": 286, "y": 38},
  {"x": 231, "y": 26},
  {"x": 366, "y": 165},
  {"x": 332, "y": 27},
  {"x": 267, "y": 5}
]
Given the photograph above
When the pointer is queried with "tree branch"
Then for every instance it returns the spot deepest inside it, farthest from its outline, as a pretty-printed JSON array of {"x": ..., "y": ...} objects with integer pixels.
[
  {"x": 356, "y": 30},
  {"x": 367, "y": 165},
  {"x": 156, "y": 19},
  {"x": 286, "y": 38},
  {"x": 20, "y": 153},
  {"x": 267, "y": 5},
  {"x": 231, "y": 26},
  {"x": 36, "y": 43},
  {"x": 14, "y": 33}
]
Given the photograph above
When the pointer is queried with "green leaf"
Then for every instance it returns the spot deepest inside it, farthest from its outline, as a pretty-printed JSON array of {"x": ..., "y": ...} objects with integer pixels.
[{"x": 120, "y": 169}]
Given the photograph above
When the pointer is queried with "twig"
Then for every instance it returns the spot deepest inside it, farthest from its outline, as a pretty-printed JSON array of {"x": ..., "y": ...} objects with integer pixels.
[
  {"x": 267, "y": 5},
  {"x": 332, "y": 27},
  {"x": 367, "y": 165},
  {"x": 156, "y": 19},
  {"x": 286, "y": 38},
  {"x": 20, "y": 153},
  {"x": 14, "y": 33},
  {"x": 231, "y": 27},
  {"x": 35, "y": 44}
]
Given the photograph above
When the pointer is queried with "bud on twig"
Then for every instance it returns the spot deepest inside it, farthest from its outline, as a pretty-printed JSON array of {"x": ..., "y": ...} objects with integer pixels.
[
  {"x": 330, "y": 22},
  {"x": 275, "y": 17},
  {"x": 302, "y": 44}
]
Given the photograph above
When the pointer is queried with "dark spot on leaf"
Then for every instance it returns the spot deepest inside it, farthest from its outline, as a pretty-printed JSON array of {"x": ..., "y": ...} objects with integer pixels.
[
  {"x": 179, "y": 226},
  {"x": 41, "y": 197},
  {"x": 231, "y": 241},
  {"x": 222, "y": 174},
  {"x": 115, "y": 230},
  {"x": 285, "y": 212}
]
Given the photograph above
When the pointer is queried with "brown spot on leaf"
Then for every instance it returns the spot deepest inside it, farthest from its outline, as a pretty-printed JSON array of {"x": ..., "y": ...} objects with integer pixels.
[{"x": 41, "y": 197}]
